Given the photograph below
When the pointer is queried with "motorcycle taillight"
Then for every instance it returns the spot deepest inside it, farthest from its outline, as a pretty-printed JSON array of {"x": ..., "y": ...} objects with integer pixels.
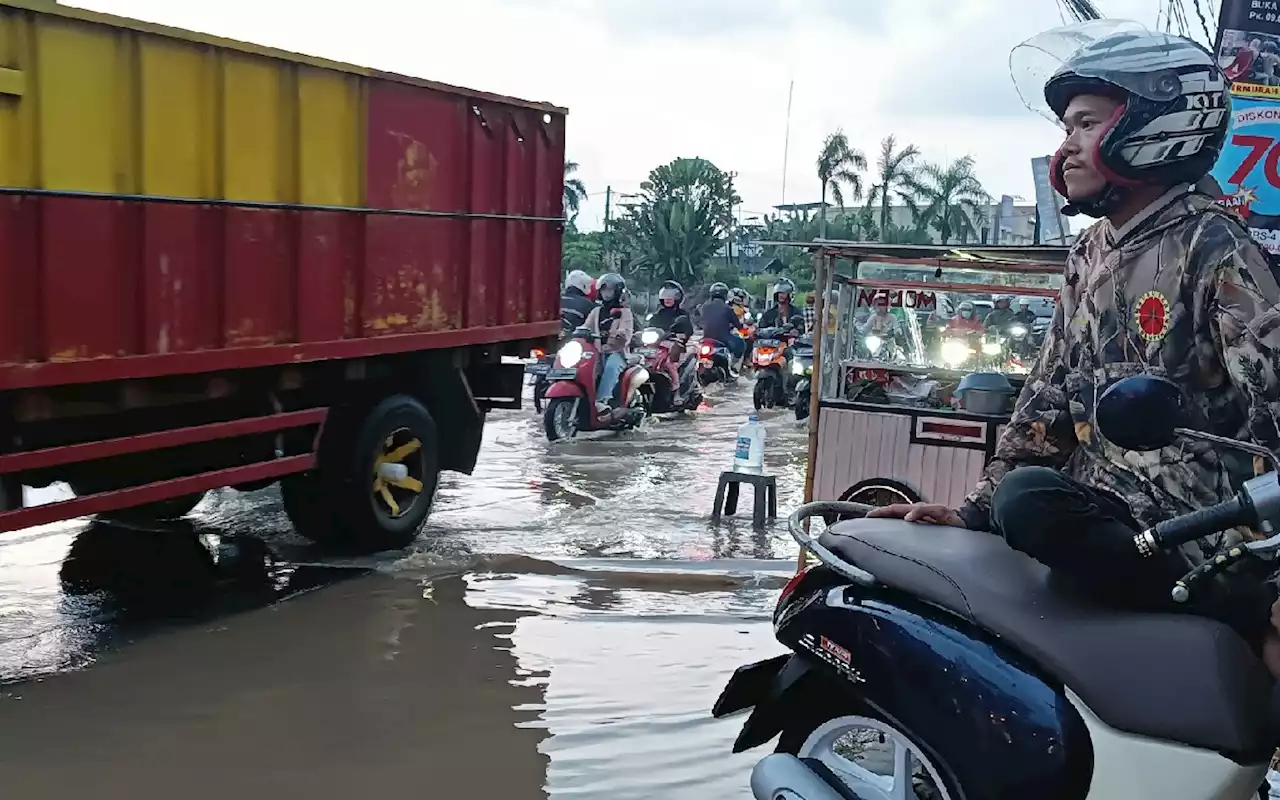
[
  {"x": 706, "y": 349},
  {"x": 536, "y": 353},
  {"x": 790, "y": 588}
]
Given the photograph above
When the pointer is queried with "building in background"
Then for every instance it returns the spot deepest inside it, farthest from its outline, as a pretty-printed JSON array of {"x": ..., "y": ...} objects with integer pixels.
[{"x": 1054, "y": 228}]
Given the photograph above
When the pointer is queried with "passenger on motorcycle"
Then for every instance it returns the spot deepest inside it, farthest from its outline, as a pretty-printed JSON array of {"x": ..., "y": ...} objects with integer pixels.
[
  {"x": 576, "y": 301},
  {"x": 719, "y": 321},
  {"x": 783, "y": 313},
  {"x": 670, "y": 317},
  {"x": 1001, "y": 316},
  {"x": 740, "y": 302},
  {"x": 1187, "y": 294},
  {"x": 613, "y": 322},
  {"x": 965, "y": 321}
]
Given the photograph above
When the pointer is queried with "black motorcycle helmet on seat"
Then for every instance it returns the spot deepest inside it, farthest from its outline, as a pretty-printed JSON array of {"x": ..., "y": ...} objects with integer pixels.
[
  {"x": 612, "y": 289},
  {"x": 1160, "y": 79},
  {"x": 783, "y": 286},
  {"x": 719, "y": 291},
  {"x": 673, "y": 291}
]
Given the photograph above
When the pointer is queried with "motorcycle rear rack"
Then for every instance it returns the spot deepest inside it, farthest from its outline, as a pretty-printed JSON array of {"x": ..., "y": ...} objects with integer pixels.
[{"x": 810, "y": 543}]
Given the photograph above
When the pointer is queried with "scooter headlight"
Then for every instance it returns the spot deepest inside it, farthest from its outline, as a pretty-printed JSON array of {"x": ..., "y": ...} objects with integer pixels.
[
  {"x": 797, "y": 368},
  {"x": 955, "y": 352},
  {"x": 874, "y": 343},
  {"x": 1018, "y": 331},
  {"x": 650, "y": 337},
  {"x": 570, "y": 354},
  {"x": 992, "y": 348}
]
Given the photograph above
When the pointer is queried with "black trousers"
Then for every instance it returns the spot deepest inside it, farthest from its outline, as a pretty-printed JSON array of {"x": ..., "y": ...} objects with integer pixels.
[{"x": 1085, "y": 536}]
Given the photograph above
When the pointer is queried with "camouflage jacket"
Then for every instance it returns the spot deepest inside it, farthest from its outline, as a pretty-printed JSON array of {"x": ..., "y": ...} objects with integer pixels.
[{"x": 1185, "y": 294}]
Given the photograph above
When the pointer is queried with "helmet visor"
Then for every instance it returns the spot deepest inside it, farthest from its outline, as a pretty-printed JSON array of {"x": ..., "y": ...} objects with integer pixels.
[
  {"x": 1035, "y": 61},
  {"x": 668, "y": 293}
]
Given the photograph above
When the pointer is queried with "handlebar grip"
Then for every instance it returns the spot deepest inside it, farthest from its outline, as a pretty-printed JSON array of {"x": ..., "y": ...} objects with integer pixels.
[
  {"x": 1188, "y": 527},
  {"x": 1182, "y": 589}
]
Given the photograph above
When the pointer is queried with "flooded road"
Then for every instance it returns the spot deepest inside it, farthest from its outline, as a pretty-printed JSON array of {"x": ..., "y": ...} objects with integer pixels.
[{"x": 561, "y": 627}]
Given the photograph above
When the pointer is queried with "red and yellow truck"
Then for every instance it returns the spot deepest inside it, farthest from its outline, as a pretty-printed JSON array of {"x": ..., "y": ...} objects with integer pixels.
[{"x": 227, "y": 265}]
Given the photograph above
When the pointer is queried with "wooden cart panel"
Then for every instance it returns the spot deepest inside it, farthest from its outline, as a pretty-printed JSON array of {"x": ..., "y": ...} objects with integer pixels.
[{"x": 938, "y": 454}]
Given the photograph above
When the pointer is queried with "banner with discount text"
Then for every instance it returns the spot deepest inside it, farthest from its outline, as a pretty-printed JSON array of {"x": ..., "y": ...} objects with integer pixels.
[{"x": 1248, "y": 50}]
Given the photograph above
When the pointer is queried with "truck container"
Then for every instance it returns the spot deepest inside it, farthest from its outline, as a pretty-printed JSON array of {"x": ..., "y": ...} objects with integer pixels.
[{"x": 228, "y": 265}]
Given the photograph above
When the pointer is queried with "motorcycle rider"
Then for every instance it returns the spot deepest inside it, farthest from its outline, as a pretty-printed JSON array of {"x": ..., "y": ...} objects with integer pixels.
[
  {"x": 613, "y": 322},
  {"x": 1024, "y": 315},
  {"x": 719, "y": 321},
  {"x": 576, "y": 302},
  {"x": 783, "y": 313},
  {"x": 965, "y": 321},
  {"x": 1001, "y": 316},
  {"x": 670, "y": 317},
  {"x": 740, "y": 301},
  {"x": 1165, "y": 281}
]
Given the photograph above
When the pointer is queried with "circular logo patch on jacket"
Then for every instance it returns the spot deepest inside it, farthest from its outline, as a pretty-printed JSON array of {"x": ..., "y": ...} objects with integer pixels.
[{"x": 1152, "y": 316}]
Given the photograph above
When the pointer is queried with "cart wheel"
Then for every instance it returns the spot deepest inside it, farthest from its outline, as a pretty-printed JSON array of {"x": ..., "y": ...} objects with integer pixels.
[{"x": 875, "y": 492}]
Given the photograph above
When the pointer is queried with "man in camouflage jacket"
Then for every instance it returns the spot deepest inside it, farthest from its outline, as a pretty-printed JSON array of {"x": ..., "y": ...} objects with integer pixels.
[{"x": 1167, "y": 283}]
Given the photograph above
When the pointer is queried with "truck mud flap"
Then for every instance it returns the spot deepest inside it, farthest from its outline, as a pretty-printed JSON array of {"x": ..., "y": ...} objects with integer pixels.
[{"x": 497, "y": 385}]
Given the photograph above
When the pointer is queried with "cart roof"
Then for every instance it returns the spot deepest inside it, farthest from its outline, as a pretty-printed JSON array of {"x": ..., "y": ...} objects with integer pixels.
[{"x": 1036, "y": 258}]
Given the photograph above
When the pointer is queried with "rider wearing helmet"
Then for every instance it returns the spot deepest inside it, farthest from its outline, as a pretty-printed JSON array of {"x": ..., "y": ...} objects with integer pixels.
[
  {"x": 1001, "y": 315},
  {"x": 966, "y": 320},
  {"x": 719, "y": 321},
  {"x": 1166, "y": 280},
  {"x": 740, "y": 302},
  {"x": 575, "y": 301},
  {"x": 612, "y": 321},
  {"x": 1024, "y": 315},
  {"x": 670, "y": 316},
  {"x": 783, "y": 312}
]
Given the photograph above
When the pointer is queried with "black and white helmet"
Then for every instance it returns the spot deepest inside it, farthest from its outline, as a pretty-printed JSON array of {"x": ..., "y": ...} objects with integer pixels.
[{"x": 1174, "y": 120}]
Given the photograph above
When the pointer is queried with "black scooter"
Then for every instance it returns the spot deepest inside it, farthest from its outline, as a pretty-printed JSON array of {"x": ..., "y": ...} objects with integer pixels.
[
  {"x": 937, "y": 662},
  {"x": 802, "y": 373}
]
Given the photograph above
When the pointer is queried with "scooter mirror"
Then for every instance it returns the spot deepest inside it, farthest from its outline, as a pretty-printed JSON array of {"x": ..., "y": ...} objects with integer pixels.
[{"x": 1141, "y": 412}]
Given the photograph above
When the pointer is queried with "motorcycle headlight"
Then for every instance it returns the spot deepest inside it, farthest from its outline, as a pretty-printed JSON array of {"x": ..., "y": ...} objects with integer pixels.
[
  {"x": 874, "y": 343},
  {"x": 992, "y": 348},
  {"x": 1018, "y": 330},
  {"x": 650, "y": 338},
  {"x": 570, "y": 354},
  {"x": 797, "y": 368},
  {"x": 954, "y": 352}
]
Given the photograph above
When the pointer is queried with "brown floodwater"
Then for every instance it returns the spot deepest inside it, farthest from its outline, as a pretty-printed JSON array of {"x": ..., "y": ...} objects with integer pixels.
[{"x": 561, "y": 628}]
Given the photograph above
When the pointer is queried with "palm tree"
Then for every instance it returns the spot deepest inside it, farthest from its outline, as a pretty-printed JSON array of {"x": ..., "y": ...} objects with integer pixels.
[
  {"x": 575, "y": 191},
  {"x": 953, "y": 199},
  {"x": 896, "y": 171},
  {"x": 839, "y": 165}
]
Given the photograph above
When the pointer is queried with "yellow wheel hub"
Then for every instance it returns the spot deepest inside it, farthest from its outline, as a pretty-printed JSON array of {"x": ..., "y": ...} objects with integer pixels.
[{"x": 390, "y": 472}]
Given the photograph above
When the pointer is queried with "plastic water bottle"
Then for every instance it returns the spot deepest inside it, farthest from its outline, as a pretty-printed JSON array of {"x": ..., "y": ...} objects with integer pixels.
[{"x": 748, "y": 453}]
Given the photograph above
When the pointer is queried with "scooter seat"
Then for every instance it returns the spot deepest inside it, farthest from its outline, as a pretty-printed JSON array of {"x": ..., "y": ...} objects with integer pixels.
[{"x": 1176, "y": 677}]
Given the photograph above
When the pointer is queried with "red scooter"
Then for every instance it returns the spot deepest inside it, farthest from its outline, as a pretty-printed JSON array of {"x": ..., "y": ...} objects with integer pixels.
[
  {"x": 673, "y": 384},
  {"x": 571, "y": 395}
]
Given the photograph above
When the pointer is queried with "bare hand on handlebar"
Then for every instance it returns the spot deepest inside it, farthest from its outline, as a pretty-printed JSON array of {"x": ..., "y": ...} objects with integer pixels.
[{"x": 927, "y": 513}]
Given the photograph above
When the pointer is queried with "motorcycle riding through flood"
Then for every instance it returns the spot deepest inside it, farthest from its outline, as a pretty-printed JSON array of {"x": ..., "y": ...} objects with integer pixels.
[
  {"x": 1097, "y": 619},
  {"x": 778, "y": 329}
]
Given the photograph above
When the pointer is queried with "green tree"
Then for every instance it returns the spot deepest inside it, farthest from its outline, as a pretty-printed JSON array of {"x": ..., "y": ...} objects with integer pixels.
[
  {"x": 839, "y": 166},
  {"x": 953, "y": 200},
  {"x": 584, "y": 251},
  {"x": 575, "y": 191},
  {"x": 896, "y": 173},
  {"x": 681, "y": 218}
]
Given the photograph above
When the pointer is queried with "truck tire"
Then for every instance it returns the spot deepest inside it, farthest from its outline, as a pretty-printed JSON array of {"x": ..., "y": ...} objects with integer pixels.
[
  {"x": 173, "y": 508},
  {"x": 349, "y": 502}
]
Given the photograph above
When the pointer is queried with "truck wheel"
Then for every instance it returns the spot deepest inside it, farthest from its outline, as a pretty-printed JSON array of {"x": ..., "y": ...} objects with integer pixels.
[
  {"x": 375, "y": 481},
  {"x": 173, "y": 508}
]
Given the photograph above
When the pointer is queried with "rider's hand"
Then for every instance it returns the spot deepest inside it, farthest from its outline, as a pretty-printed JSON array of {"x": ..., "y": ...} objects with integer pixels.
[{"x": 928, "y": 513}]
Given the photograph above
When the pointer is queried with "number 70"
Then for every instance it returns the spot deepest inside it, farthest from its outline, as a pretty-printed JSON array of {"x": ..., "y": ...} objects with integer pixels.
[{"x": 1259, "y": 146}]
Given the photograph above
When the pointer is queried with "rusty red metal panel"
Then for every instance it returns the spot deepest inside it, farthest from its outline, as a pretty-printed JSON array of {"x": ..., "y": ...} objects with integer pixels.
[
  {"x": 259, "y": 277},
  {"x": 330, "y": 245},
  {"x": 19, "y": 280},
  {"x": 89, "y": 270},
  {"x": 409, "y": 286},
  {"x": 415, "y": 148},
  {"x": 181, "y": 278}
]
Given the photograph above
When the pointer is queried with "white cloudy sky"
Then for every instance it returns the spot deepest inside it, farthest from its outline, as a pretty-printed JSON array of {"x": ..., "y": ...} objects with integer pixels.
[{"x": 649, "y": 80}]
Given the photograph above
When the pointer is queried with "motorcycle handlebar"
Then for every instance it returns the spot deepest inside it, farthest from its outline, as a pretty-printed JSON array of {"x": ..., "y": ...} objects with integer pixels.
[{"x": 1178, "y": 531}]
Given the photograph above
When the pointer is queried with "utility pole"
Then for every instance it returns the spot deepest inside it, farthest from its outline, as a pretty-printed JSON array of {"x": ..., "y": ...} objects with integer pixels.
[
  {"x": 607, "y": 263},
  {"x": 786, "y": 142}
]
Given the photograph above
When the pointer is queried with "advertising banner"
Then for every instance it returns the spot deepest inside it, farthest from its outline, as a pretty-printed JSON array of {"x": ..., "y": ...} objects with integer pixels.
[{"x": 1248, "y": 171}]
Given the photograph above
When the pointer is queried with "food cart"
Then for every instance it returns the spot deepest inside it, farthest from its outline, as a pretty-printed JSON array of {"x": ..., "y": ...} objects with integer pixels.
[{"x": 887, "y": 429}]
